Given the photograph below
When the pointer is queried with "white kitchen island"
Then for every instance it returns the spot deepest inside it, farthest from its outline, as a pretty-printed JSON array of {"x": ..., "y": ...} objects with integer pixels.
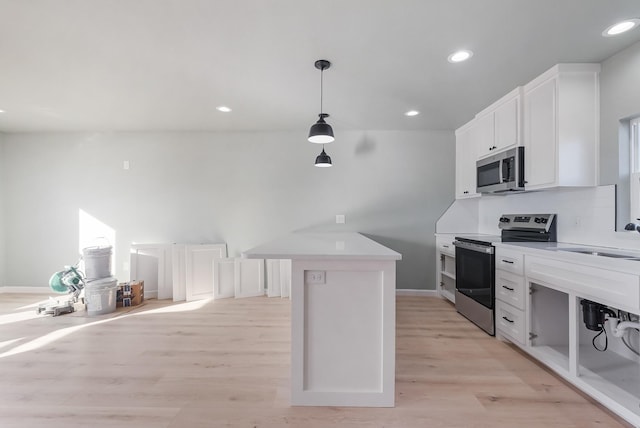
[{"x": 342, "y": 318}]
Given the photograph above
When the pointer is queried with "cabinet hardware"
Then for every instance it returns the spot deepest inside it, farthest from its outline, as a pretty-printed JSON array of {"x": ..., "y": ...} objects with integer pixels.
[
  {"x": 532, "y": 336},
  {"x": 507, "y": 261},
  {"x": 508, "y": 288},
  {"x": 532, "y": 290},
  {"x": 507, "y": 320},
  {"x": 445, "y": 246}
]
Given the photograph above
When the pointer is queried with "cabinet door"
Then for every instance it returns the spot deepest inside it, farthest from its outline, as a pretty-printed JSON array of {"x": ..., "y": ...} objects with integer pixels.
[
  {"x": 199, "y": 269},
  {"x": 540, "y": 135},
  {"x": 465, "y": 165},
  {"x": 506, "y": 125},
  {"x": 484, "y": 136}
]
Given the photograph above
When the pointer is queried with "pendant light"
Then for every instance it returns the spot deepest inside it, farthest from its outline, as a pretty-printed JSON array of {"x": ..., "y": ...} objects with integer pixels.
[
  {"x": 321, "y": 131},
  {"x": 323, "y": 160}
]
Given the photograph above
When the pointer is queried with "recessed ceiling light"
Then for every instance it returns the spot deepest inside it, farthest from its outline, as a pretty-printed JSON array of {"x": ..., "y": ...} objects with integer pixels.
[
  {"x": 1, "y": 111},
  {"x": 223, "y": 109},
  {"x": 412, "y": 113},
  {"x": 621, "y": 27},
  {"x": 460, "y": 56}
]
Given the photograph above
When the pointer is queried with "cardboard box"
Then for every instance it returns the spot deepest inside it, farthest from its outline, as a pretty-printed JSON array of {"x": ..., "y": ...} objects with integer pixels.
[
  {"x": 130, "y": 293},
  {"x": 137, "y": 292}
]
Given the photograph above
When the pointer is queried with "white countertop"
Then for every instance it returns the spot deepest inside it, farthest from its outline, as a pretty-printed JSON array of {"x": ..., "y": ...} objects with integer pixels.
[
  {"x": 557, "y": 251},
  {"x": 344, "y": 246}
]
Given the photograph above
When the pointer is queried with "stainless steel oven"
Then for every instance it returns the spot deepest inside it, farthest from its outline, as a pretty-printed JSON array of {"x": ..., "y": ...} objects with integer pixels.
[
  {"x": 475, "y": 281},
  {"x": 475, "y": 263}
]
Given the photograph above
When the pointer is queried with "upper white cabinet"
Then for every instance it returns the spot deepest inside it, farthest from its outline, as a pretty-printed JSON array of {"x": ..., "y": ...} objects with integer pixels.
[
  {"x": 499, "y": 126},
  {"x": 561, "y": 117},
  {"x": 466, "y": 161}
]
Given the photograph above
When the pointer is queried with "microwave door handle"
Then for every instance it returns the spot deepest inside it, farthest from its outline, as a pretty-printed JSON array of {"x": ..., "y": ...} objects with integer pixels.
[{"x": 500, "y": 170}]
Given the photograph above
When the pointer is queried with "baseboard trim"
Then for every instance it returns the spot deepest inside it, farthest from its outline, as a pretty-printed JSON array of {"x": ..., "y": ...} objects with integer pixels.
[
  {"x": 26, "y": 290},
  {"x": 410, "y": 292}
]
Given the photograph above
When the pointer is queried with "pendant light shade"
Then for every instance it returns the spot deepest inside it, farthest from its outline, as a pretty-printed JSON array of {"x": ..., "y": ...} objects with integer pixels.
[
  {"x": 321, "y": 132},
  {"x": 323, "y": 160}
]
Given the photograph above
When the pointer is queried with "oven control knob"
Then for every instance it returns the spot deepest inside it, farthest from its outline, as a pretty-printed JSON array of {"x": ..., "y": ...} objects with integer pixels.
[
  {"x": 504, "y": 220},
  {"x": 538, "y": 220},
  {"x": 543, "y": 220}
]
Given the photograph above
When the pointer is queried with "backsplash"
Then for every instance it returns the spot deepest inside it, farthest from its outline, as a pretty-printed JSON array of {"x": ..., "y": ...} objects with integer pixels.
[{"x": 585, "y": 215}]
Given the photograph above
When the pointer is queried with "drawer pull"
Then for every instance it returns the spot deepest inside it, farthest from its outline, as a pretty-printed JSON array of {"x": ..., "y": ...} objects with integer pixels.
[
  {"x": 507, "y": 320},
  {"x": 445, "y": 246},
  {"x": 508, "y": 288},
  {"x": 507, "y": 261}
]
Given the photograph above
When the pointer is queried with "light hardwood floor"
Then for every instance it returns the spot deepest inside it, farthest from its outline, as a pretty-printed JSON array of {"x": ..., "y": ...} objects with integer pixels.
[{"x": 226, "y": 363}]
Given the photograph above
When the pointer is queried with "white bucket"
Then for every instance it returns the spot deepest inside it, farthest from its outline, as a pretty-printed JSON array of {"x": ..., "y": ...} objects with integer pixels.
[
  {"x": 97, "y": 262},
  {"x": 100, "y": 296}
]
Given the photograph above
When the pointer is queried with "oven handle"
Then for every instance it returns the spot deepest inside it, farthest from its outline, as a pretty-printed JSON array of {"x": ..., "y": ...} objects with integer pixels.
[{"x": 487, "y": 249}]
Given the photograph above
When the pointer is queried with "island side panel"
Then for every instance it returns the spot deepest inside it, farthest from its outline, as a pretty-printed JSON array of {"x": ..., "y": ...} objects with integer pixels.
[{"x": 343, "y": 333}]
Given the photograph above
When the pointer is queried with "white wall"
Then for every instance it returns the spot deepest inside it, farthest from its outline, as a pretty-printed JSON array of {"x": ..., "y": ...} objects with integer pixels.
[
  {"x": 238, "y": 188},
  {"x": 3, "y": 179},
  {"x": 619, "y": 100}
]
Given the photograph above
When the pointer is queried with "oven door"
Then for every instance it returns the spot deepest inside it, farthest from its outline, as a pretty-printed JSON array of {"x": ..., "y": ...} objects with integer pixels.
[{"x": 475, "y": 272}]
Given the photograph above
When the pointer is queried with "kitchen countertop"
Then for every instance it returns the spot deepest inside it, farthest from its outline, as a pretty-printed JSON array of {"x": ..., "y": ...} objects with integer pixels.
[
  {"x": 557, "y": 251},
  {"x": 323, "y": 246}
]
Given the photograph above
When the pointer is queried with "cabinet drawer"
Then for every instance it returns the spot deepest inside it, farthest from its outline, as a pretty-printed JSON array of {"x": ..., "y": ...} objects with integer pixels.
[
  {"x": 510, "y": 288},
  {"x": 510, "y": 261},
  {"x": 510, "y": 322},
  {"x": 445, "y": 245}
]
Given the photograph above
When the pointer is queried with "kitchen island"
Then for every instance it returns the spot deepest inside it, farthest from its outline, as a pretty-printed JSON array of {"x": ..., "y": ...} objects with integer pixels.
[{"x": 342, "y": 318}]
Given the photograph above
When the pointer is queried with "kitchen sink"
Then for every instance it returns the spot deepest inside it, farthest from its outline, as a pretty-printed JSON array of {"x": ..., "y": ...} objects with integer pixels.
[{"x": 601, "y": 253}]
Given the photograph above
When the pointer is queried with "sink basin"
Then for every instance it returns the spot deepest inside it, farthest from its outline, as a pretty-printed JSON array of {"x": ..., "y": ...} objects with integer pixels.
[{"x": 601, "y": 253}]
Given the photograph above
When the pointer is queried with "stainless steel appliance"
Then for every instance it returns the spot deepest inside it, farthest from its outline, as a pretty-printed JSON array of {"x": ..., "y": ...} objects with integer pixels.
[
  {"x": 502, "y": 172},
  {"x": 475, "y": 263}
]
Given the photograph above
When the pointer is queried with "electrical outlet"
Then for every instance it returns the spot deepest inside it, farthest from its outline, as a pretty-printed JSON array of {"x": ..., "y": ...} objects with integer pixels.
[
  {"x": 314, "y": 277},
  {"x": 125, "y": 164},
  {"x": 340, "y": 219}
]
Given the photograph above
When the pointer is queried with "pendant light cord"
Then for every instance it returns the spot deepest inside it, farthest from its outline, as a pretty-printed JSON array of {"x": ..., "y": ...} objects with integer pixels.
[{"x": 321, "y": 88}]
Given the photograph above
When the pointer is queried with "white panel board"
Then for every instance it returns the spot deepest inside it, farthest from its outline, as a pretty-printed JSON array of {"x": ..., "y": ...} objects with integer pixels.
[
  {"x": 273, "y": 278},
  {"x": 148, "y": 262},
  {"x": 249, "y": 277},
  {"x": 179, "y": 275},
  {"x": 199, "y": 269},
  {"x": 223, "y": 278}
]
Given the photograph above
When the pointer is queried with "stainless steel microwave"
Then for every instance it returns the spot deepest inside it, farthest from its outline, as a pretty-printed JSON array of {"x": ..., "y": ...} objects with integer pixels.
[{"x": 502, "y": 172}]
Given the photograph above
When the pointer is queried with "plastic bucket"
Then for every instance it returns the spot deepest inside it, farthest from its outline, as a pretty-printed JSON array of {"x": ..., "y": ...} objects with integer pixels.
[
  {"x": 97, "y": 262},
  {"x": 100, "y": 296}
]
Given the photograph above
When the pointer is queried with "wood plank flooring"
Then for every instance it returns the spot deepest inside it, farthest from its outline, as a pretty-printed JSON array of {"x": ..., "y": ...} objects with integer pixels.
[{"x": 225, "y": 363}]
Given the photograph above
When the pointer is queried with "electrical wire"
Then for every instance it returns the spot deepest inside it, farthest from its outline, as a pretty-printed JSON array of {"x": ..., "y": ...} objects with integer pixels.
[{"x": 606, "y": 340}]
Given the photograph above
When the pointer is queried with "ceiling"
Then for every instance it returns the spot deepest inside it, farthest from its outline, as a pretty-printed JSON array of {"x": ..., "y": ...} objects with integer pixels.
[{"x": 165, "y": 65}]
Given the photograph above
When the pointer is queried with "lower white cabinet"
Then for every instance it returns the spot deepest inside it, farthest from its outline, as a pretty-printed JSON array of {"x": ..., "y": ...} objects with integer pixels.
[
  {"x": 446, "y": 268},
  {"x": 540, "y": 310}
]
